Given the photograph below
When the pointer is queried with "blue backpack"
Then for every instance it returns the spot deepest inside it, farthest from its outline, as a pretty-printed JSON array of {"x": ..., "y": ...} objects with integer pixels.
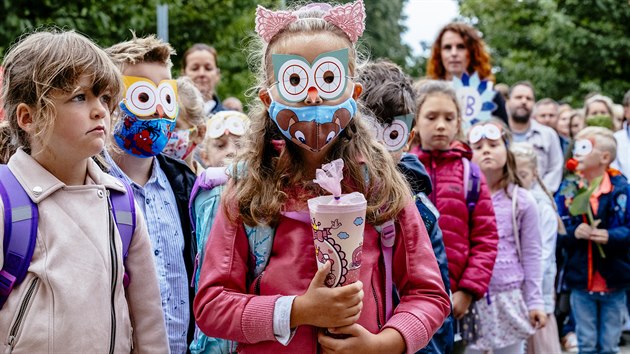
[
  {"x": 20, "y": 229},
  {"x": 205, "y": 200}
]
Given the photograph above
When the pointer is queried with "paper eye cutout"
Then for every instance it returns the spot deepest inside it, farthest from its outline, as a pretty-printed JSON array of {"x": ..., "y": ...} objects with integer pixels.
[
  {"x": 488, "y": 131},
  {"x": 293, "y": 80},
  {"x": 168, "y": 99},
  {"x": 582, "y": 147},
  {"x": 330, "y": 77},
  {"x": 235, "y": 125},
  {"x": 141, "y": 98},
  {"x": 395, "y": 135}
]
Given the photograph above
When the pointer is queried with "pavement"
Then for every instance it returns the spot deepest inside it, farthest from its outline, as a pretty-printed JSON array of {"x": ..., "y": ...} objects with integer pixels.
[{"x": 624, "y": 349}]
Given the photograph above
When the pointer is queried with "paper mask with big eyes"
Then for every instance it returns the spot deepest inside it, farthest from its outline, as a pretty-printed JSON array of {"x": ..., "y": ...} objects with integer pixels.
[
  {"x": 582, "y": 147},
  {"x": 394, "y": 136},
  {"x": 146, "y": 100},
  {"x": 295, "y": 76}
]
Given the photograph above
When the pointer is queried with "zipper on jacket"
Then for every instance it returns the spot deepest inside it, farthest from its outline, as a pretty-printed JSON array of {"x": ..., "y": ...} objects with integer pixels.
[
  {"x": 114, "y": 260},
  {"x": 378, "y": 312},
  {"x": 21, "y": 312},
  {"x": 433, "y": 180},
  {"x": 257, "y": 284}
]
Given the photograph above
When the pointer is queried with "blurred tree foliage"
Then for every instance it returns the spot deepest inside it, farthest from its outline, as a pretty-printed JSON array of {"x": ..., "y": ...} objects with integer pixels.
[
  {"x": 566, "y": 48},
  {"x": 224, "y": 24}
]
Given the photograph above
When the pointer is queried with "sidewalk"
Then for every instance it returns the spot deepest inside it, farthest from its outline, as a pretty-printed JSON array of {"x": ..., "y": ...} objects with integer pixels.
[{"x": 623, "y": 349}]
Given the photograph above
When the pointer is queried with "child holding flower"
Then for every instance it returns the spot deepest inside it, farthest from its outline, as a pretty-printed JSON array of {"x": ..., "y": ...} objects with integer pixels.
[{"x": 597, "y": 241}]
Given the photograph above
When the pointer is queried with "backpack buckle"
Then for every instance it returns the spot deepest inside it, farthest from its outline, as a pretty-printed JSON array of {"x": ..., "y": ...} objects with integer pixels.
[
  {"x": 388, "y": 233},
  {"x": 7, "y": 281}
]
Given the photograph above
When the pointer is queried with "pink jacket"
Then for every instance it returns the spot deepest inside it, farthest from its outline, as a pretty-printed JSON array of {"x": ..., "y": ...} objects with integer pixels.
[
  {"x": 224, "y": 306},
  {"x": 471, "y": 247}
]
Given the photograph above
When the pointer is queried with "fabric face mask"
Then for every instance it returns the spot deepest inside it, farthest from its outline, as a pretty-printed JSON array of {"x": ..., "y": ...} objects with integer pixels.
[
  {"x": 312, "y": 127},
  {"x": 148, "y": 114},
  {"x": 179, "y": 145}
]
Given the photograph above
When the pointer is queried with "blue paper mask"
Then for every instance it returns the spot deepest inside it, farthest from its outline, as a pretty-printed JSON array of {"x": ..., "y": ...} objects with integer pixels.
[{"x": 393, "y": 136}]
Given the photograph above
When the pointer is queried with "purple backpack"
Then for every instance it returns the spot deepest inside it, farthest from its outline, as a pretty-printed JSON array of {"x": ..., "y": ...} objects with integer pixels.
[{"x": 20, "y": 229}]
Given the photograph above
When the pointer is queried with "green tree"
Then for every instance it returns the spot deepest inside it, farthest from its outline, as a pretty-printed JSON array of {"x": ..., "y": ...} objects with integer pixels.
[{"x": 567, "y": 48}]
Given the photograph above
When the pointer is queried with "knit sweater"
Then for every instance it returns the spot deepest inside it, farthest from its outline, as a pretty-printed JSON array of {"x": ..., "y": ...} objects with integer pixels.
[{"x": 509, "y": 272}]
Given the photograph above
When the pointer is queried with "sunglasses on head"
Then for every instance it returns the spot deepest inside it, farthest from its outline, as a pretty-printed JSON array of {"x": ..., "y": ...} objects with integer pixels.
[{"x": 484, "y": 131}]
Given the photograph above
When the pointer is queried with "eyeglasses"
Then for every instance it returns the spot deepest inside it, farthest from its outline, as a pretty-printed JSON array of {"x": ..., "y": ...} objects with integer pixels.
[
  {"x": 484, "y": 131},
  {"x": 227, "y": 122},
  {"x": 582, "y": 147}
]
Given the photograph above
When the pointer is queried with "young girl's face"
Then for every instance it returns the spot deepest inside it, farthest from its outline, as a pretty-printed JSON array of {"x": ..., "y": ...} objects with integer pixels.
[
  {"x": 526, "y": 171},
  {"x": 310, "y": 93},
  {"x": 489, "y": 151},
  {"x": 437, "y": 122},
  {"x": 81, "y": 125},
  {"x": 220, "y": 151}
]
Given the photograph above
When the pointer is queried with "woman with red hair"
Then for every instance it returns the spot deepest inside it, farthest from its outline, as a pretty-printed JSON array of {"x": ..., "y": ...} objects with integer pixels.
[{"x": 459, "y": 49}]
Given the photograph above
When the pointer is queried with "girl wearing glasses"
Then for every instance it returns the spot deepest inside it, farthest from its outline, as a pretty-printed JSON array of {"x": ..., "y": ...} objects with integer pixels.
[{"x": 515, "y": 304}]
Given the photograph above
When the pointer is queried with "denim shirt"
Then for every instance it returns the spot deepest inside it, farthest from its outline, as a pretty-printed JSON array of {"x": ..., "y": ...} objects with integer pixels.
[{"x": 159, "y": 206}]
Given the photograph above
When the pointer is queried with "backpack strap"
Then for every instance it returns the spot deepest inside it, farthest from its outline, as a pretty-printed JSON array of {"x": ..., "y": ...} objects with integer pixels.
[
  {"x": 20, "y": 220},
  {"x": 517, "y": 236},
  {"x": 472, "y": 185},
  {"x": 388, "y": 236},
  {"x": 124, "y": 210}
]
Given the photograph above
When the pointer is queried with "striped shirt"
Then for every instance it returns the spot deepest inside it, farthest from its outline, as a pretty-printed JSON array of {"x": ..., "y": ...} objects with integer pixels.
[{"x": 157, "y": 200}]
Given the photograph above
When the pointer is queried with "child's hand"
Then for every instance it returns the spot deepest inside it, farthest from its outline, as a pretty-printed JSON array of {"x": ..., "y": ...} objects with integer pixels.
[
  {"x": 360, "y": 340},
  {"x": 583, "y": 231},
  {"x": 537, "y": 318},
  {"x": 599, "y": 236},
  {"x": 461, "y": 303},
  {"x": 324, "y": 307}
]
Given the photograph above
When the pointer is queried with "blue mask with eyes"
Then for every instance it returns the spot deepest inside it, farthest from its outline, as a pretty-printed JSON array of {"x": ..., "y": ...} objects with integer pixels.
[{"x": 311, "y": 127}]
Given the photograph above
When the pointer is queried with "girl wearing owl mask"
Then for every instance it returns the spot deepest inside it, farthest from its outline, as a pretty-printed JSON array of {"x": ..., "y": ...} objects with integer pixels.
[{"x": 307, "y": 98}]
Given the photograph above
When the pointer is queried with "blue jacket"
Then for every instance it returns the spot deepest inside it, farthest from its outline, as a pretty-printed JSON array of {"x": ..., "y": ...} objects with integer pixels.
[
  {"x": 420, "y": 182},
  {"x": 614, "y": 213}
]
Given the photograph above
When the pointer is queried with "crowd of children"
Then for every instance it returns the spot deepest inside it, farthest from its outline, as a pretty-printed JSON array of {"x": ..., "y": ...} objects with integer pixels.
[{"x": 153, "y": 218}]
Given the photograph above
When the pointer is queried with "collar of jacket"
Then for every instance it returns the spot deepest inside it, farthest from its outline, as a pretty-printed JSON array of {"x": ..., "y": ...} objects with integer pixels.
[{"x": 39, "y": 183}]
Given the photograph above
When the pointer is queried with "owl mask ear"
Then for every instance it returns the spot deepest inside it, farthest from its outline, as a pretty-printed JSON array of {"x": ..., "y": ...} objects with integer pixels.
[
  {"x": 269, "y": 23},
  {"x": 350, "y": 18}
]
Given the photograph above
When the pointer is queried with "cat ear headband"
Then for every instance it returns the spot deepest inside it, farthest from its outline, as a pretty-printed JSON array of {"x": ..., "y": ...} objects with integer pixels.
[{"x": 350, "y": 18}]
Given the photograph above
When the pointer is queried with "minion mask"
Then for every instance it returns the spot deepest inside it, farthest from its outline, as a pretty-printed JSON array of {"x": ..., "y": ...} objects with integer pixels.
[{"x": 148, "y": 114}]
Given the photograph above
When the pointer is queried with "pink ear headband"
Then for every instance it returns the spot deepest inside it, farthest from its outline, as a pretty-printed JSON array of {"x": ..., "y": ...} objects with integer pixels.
[{"x": 350, "y": 18}]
